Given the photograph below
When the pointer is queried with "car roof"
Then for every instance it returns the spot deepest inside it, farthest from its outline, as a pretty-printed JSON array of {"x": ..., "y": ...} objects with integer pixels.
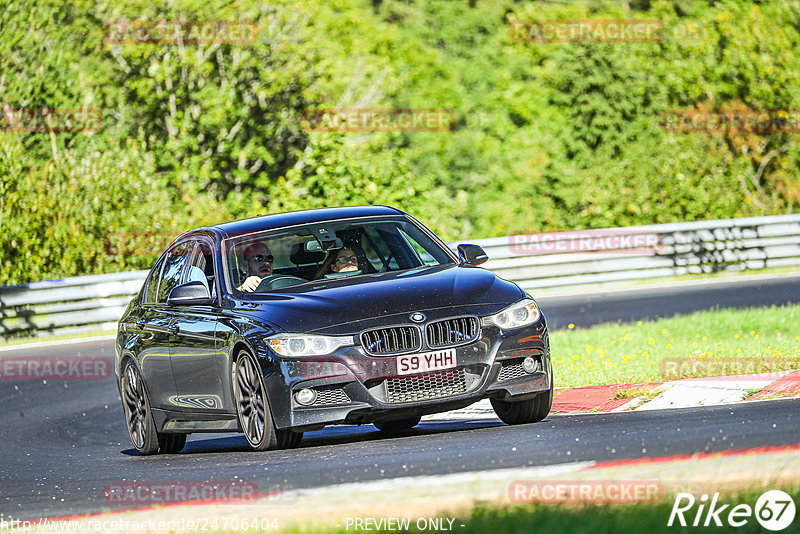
[{"x": 292, "y": 218}]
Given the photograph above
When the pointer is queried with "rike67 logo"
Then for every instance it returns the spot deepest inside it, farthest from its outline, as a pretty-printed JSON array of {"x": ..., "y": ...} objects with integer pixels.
[{"x": 774, "y": 510}]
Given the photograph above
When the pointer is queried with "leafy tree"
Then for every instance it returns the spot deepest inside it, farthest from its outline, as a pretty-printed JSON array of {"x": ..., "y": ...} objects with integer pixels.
[{"x": 546, "y": 136}]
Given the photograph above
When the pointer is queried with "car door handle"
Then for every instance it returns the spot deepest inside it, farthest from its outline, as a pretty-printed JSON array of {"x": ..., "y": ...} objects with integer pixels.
[{"x": 174, "y": 328}]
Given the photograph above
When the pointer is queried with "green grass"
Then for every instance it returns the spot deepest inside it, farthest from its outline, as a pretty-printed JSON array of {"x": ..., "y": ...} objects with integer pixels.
[
  {"x": 633, "y": 392},
  {"x": 603, "y": 518},
  {"x": 707, "y": 343},
  {"x": 589, "y": 518},
  {"x": 750, "y": 392},
  {"x": 25, "y": 340}
]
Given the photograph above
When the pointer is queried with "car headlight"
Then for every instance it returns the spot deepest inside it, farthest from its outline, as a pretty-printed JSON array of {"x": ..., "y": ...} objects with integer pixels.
[
  {"x": 522, "y": 313},
  {"x": 298, "y": 345}
]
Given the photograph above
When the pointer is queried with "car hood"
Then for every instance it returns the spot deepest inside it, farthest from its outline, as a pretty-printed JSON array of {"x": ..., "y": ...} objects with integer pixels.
[{"x": 347, "y": 305}]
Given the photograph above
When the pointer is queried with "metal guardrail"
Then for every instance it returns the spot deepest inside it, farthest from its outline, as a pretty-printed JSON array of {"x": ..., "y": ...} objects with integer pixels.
[
  {"x": 621, "y": 255},
  {"x": 77, "y": 304},
  {"x": 586, "y": 258}
]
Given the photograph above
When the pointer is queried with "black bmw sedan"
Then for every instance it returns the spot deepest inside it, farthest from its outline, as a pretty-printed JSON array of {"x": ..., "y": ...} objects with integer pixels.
[{"x": 277, "y": 325}]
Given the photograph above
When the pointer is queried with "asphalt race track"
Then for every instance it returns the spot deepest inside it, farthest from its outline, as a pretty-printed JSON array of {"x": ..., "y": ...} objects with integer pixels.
[
  {"x": 649, "y": 302},
  {"x": 64, "y": 441}
]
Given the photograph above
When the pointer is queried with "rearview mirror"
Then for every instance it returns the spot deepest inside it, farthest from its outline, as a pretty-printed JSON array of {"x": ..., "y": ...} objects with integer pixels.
[
  {"x": 190, "y": 294},
  {"x": 315, "y": 246},
  {"x": 472, "y": 254}
]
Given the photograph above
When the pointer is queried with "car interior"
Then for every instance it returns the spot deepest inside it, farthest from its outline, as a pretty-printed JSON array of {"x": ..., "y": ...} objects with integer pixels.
[{"x": 307, "y": 254}]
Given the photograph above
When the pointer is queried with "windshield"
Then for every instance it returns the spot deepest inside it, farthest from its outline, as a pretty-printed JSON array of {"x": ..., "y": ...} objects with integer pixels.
[{"x": 269, "y": 260}]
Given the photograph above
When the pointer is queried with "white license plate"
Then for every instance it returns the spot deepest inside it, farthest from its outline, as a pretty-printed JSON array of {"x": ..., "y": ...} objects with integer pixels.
[{"x": 410, "y": 364}]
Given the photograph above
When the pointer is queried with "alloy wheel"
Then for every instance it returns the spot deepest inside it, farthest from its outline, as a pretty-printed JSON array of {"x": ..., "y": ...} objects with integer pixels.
[
  {"x": 251, "y": 402},
  {"x": 135, "y": 404},
  {"x": 141, "y": 427}
]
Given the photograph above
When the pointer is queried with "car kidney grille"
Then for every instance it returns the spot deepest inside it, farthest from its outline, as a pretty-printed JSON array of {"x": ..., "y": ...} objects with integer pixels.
[
  {"x": 391, "y": 340},
  {"x": 452, "y": 332},
  {"x": 426, "y": 386}
]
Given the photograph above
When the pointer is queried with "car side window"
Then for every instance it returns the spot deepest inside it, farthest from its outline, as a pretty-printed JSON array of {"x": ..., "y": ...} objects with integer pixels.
[
  {"x": 201, "y": 268},
  {"x": 379, "y": 253},
  {"x": 176, "y": 260},
  {"x": 423, "y": 255},
  {"x": 152, "y": 281}
]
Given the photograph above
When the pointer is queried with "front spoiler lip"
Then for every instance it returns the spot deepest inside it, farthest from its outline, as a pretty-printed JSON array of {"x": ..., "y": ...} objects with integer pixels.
[
  {"x": 358, "y": 374},
  {"x": 363, "y": 411}
]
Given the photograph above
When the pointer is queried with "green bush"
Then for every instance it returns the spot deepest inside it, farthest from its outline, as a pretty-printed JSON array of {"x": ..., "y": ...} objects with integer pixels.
[{"x": 546, "y": 136}]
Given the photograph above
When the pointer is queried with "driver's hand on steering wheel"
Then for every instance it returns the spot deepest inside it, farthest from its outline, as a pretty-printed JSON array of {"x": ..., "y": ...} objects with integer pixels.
[{"x": 250, "y": 284}]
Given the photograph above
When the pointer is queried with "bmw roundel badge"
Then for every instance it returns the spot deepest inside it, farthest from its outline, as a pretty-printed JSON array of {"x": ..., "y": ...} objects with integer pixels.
[{"x": 417, "y": 317}]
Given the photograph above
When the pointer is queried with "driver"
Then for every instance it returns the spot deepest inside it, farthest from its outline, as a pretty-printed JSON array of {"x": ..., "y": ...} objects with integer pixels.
[{"x": 258, "y": 260}]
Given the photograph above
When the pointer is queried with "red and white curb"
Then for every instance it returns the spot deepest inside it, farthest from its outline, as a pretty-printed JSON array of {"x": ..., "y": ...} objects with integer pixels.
[{"x": 686, "y": 393}]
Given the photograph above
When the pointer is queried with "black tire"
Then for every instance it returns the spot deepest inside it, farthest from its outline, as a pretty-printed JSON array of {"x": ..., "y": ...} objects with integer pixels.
[
  {"x": 288, "y": 439},
  {"x": 171, "y": 443},
  {"x": 526, "y": 411},
  {"x": 398, "y": 425},
  {"x": 139, "y": 418},
  {"x": 252, "y": 407}
]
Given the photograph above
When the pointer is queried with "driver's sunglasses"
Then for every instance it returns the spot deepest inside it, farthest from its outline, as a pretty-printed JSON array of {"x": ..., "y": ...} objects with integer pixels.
[
  {"x": 260, "y": 258},
  {"x": 347, "y": 259}
]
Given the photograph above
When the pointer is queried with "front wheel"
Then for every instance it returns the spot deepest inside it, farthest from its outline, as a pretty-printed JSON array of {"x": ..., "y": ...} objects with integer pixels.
[
  {"x": 251, "y": 403},
  {"x": 253, "y": 409},
  {"x": 525, "y": 411},
  {"x": 171, "y": 443},
  {"x": 138, "y": 416},
  {"x": 288, "y": 439}
]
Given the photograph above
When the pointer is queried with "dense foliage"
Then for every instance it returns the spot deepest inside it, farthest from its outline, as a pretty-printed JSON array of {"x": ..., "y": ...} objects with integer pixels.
[{"x": 547, "y": 136}]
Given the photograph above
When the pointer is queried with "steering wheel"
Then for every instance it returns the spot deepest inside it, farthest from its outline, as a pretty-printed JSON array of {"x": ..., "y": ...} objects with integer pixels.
[{"x": 276, "y": 281}]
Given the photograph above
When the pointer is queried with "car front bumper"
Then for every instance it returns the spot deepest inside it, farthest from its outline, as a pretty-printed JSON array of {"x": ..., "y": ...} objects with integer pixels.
[{"x": 353, "y": 387}]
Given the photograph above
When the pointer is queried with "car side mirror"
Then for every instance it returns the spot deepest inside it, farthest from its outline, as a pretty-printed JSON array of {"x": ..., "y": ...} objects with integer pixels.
[
  {"x": 472, "y": 254},
  {"x": 190, "y": 294}
]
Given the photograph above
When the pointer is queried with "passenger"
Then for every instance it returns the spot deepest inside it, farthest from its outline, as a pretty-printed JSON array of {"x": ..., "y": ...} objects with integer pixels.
[
  {"x": 345, "y": 261},
  {"x": 258, "y": 261}
]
